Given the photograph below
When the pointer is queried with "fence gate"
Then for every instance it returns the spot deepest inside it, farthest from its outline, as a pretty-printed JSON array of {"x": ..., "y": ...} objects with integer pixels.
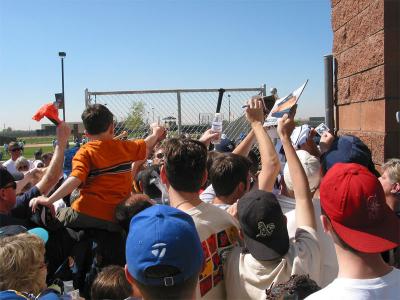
[{"x": 188, "y": 112}]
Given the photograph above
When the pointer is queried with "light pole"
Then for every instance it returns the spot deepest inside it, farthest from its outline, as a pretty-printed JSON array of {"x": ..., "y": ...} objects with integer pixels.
[
  {"x": 229, "y": 108},
  {"x": 62, "y": 55}
]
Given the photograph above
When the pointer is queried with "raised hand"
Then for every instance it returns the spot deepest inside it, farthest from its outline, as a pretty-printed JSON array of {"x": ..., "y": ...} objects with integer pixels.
[
  {"x": 208, "y": 136},
  {"x": 254, "y": 110},
  {"x": 63, "y": 133}
]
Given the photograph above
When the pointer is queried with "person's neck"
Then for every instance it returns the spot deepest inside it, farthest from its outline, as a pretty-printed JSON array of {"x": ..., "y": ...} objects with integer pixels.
[
  {"x": 183, "y": 200},
  {"x": 224, "y": 200},
  {"x": 104, "y": 136},
  {"x": 360, "y": 265}
]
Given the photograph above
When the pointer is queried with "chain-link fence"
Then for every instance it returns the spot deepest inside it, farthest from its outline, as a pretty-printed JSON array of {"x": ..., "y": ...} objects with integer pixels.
[{"x": 188, "y": 112}]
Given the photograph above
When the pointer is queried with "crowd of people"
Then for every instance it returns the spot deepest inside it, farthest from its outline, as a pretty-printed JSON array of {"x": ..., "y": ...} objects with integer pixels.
[{"x": 179, "y": 218}]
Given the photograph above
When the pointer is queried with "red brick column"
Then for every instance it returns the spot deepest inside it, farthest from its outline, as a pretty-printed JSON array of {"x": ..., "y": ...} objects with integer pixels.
[{"x": 366, "y": 48}]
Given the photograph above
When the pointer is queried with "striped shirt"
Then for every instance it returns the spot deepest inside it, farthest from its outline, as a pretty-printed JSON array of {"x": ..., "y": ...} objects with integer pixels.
[{"x": 104, "y": 167}]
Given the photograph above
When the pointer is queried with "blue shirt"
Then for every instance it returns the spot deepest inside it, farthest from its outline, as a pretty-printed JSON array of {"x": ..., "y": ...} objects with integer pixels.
[
  {"x": 68, "y": 156},
  {"x": 21, "y": 213}
]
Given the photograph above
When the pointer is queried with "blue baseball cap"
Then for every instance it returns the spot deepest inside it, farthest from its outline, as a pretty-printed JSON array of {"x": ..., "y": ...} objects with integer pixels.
[
  {"x": 11, "y": 230},
  {"x": 225, "y": 145},
  {"x": 348, "y": 149},
  {"x": 163, "y": 237}
]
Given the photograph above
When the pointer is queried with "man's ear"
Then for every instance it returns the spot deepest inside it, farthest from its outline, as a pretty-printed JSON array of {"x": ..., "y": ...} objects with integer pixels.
[
  {"x": 395, "y": 188},
  {"x": 111, "y": 128},
  {"x": 326, "y": 224},
  {"x": 88, "y": 135},
  {"x": 2, "y": 193},
  {"x": 240, "y": 190},
  {"x": 204, "y": 179},
  {"x": 135, "y": 290},
  {"x": 163, "y": 176}
]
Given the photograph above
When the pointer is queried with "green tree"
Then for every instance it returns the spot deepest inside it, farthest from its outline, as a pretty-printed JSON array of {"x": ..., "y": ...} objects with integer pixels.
[{"x": 135, "y": 119}]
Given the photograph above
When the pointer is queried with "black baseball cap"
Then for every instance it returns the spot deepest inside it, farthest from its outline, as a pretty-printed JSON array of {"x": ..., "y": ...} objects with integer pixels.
[
  {"x": 263, "y": 225},
  {"x": 5, "y": 177}
]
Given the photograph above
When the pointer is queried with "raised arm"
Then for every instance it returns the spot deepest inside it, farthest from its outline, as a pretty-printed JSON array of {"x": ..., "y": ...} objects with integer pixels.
[
  {"x": 270, "y": 165},
  {"x": 207, "y": 137},
  {"x": 245, "y": 146},
  {"x": 122, "y": 135},
  {"x": 304, "y": 207},
  {"x": 53, "y": 172},
  {"x": 157, "y": 135}
]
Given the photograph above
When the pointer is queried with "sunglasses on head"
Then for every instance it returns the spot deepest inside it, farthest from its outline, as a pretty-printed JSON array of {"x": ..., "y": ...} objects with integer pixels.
[{"x": 12, "y": 185}]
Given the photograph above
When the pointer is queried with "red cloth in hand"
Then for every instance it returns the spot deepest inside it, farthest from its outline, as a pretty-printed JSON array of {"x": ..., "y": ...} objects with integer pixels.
[{"x": 49, "y": 111}]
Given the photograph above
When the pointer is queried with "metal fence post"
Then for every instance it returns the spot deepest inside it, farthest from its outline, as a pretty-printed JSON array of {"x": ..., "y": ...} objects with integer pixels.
[
  {"x": 87, "y": 98},
  {"x": 328, "y": 66},
  {"x": 264, "y": 90},
  {"x": 178, "y": 95}
]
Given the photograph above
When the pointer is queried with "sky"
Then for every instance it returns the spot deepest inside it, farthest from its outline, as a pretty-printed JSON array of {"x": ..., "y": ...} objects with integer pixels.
[{"x": 139, "y": 45}]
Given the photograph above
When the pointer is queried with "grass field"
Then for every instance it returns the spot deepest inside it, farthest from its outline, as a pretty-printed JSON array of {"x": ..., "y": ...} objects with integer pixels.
[
  {"x": 37, "y": 139},
  {"x": 40, "y": 139}
]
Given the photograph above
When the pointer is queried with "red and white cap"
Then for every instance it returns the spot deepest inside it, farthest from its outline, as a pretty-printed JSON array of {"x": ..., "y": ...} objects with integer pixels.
[{"x": 354, "y": 201}]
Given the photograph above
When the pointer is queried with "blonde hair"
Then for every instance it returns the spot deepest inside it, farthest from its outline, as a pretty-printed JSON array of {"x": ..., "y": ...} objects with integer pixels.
[
  {"x": 21, "y": 258},
  {"x": 392, "y": 166},
  {"x": 21, "y": 162}
]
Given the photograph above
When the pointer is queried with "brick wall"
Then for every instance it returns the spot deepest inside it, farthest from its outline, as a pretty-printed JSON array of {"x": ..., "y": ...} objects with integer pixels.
[{"x": 366, "y": 48}]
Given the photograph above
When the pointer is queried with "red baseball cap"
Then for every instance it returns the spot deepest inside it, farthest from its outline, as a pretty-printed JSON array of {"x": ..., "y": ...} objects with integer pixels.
[{"x": 354, "y": 201}]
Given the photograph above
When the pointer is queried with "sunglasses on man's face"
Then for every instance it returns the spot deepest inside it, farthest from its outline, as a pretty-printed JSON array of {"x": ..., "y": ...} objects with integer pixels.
[
  {"x": 15, "y": 149},
  {"x": 159, "y": 155},
  {"x": 12, "y": 185},
  {"x": 23, "y": 168}
]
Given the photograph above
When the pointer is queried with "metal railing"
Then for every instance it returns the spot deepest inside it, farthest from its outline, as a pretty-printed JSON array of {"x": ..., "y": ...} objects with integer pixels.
[{"x": 183, "y": 111}]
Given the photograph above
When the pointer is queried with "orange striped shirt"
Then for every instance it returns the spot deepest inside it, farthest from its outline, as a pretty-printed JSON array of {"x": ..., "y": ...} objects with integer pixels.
[{"x": 104, "y": 167}]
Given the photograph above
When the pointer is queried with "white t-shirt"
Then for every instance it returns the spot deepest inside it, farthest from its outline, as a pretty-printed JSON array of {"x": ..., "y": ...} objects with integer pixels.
[
  {"x": 10, "y": 165},
  {"x": 218, "y": 232},
  {"x": 329, "y": 263},
  {"x": 208, "y": 194},
  {"x": 248, "y": 278},
  {"x": 381, "y": 288}
]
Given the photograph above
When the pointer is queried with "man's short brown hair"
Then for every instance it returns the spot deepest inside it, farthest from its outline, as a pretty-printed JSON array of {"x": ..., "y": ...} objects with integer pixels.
[
  {"x": 111, "y": 283},
  {"x": 227, "y": 171},
  {"x": 185, "y": 164}
]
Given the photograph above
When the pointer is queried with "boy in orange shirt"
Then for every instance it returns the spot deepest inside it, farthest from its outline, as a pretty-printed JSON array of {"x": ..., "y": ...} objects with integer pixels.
[{"x": 102, "y": 170}]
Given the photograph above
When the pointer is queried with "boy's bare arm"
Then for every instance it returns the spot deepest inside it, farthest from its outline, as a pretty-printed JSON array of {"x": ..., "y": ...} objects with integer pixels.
[
  {"x": 65, "y": 189},
  {"x": 158, "y": 134},
  {"x": 304, "y": 207}
]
